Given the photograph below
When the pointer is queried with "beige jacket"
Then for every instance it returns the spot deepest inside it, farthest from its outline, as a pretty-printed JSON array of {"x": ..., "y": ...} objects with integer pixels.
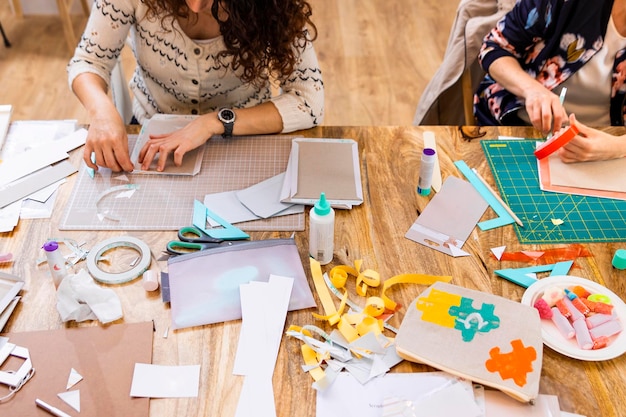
[{"x": 442, "y": 101}]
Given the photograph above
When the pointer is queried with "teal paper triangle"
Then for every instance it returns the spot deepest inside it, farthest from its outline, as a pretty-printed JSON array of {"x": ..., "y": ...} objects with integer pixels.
[{"x": 520, "y": 276}]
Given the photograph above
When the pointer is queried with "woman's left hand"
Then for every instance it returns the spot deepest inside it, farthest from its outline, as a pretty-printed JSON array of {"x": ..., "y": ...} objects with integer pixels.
[
  {"x": 178, "y": 143},
  {"x": 592, "y": 145}
]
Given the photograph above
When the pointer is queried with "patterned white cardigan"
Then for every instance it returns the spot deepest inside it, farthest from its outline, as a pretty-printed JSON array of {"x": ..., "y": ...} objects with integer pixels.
[{"x": 177, "y": 75}]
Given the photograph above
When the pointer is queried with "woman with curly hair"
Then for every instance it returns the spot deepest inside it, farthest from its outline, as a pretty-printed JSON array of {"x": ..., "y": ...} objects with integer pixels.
[{"x": 212, "y": 58}]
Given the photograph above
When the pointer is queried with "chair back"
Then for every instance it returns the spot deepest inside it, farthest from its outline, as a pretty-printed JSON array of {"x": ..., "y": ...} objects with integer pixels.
[{"x": 448, "y": 97}]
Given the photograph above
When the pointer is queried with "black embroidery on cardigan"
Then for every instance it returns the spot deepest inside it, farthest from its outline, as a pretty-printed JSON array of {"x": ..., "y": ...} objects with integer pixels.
[{"x": 117, "y": 15}]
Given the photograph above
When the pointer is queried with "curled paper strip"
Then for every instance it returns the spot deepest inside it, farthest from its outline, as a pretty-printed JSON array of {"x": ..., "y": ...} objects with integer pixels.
[{"x": 362, "y": 326}]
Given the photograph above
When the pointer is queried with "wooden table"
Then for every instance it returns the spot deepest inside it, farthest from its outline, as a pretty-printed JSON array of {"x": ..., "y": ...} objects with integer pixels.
[{"x": 373, "y": 232}]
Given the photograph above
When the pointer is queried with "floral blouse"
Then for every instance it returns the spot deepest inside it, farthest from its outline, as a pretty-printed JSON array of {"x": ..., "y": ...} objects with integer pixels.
[{"x": 551, "y": 39}]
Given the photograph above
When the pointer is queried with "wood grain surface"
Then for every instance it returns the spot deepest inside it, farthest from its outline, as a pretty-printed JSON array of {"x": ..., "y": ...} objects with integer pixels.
[{"x": 373, "y": 232}]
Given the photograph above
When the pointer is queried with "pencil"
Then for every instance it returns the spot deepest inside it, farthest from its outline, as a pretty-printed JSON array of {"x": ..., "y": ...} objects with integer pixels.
[{"x": 497, "y": 197}]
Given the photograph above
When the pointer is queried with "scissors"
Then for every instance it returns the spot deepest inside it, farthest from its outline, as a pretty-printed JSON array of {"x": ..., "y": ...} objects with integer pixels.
[{"x": 192, "y": 239}]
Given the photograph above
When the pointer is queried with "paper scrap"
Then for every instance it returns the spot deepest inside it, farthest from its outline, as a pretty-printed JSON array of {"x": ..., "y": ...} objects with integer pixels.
[
  {"x": 264, "y": 308},
  {"x": 557, "y": 222},
  {"x": 160, "y": 381},
  {"x": 433, "y": 394},
  {"x": 434, "y": 228},
  {"x": 73, "y": 379},
  {"x": 71, "y": 398},
  {"x": 533, "y": 254},
  {"x": 497, "y": 252}
]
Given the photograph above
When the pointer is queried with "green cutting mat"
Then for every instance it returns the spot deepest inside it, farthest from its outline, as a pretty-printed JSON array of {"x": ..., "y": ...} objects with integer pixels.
[{"x": 586, "y": 219}]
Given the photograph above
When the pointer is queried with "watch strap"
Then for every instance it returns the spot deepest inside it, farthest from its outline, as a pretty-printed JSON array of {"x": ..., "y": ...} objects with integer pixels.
[{"x": 228, "y": 124}]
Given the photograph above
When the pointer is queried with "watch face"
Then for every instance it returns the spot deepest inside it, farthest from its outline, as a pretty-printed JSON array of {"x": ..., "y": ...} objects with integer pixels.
[{"x": 227, "y": 115}]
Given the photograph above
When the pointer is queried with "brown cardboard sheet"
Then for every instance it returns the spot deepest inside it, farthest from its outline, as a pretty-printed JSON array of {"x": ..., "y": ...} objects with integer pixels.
[{"x": 104, "y": 356}]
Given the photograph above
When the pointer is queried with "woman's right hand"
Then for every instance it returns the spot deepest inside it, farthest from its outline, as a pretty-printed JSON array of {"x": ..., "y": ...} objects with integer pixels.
[
  {"x": 108, "y": 141},
  {"x": 545, "y": 111}
]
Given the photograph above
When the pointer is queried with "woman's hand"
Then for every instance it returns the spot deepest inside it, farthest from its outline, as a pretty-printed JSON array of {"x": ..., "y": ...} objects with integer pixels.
[
  {"x": 178, "y": 143},
  {"x": 108, "y": 140},
  {"x": 544, "y": 108},
  {"x": 592, "y": 145}
]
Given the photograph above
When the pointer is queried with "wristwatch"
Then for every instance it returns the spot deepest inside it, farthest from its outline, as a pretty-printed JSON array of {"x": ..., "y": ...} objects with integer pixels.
[{"x": 227, "y": 117}]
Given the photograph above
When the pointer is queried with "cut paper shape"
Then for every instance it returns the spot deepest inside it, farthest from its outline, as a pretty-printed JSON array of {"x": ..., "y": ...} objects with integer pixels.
[
  {"x": 331, "y": 166},
  {"x": 33, "y": 182},
  {"x": 71, "y": 398},
  {"x": 557, "y": 222},
  {"x": 533, "y": 254},
  {"x": 160, "y": 124},
  {"x": 108, "y": 353},
  {"x": 497, "y": 252},
  {"x": 161, "y": 381},
  {"x": 17, "y": 377},
  {"x": 231, "y": 209},
  {"x": 456, "y": 252},
  {"x": 405, "y": 394},
  {"x": 548, "y": 256},
  {"x": 227, "y": 232},
  {"x": 596, "y": 179},
  {"x": 263, "y": 199},
  {"x": 521, "y": 276},
  {"x": 457, "y": 200},
  {"x": 73, "y": 379},
  {"x": 504, "y": 217},
  {"x": 264, "y": 310}
]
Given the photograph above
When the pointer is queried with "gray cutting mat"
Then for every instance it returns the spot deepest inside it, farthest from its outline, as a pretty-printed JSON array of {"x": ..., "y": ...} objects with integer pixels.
[{"x": 165, "y": 202}]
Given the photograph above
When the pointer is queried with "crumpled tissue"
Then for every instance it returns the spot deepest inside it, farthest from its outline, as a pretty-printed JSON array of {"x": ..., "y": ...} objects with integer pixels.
[{"x": 80, "y": 299}]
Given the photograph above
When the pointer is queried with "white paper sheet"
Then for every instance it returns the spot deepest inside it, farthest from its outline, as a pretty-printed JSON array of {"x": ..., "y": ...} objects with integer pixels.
[
  {"x": 160, "y": 381},
  {"x": 434, "y": 394}
]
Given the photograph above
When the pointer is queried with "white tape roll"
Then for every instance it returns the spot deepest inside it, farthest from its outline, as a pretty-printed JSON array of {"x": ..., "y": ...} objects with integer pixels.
[
  {"x": 117, "y": 278},
  {"x": 150, "y": 281}
]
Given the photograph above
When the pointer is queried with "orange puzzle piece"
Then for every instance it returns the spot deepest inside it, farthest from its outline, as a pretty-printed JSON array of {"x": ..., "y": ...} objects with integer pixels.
[{"x": 514, "y": 365}]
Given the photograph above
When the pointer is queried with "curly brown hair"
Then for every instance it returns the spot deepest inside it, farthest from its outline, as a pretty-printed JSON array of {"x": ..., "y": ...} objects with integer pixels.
[{"x": 264, "y": 37}]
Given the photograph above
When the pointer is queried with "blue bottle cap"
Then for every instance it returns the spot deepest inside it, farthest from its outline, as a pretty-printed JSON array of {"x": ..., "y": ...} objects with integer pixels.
[{"x": 322, "y": 207}]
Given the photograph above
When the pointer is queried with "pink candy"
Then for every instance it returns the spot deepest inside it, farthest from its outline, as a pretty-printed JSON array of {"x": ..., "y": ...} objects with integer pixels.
[
  {"x": 592, "y": 330},
  {"x": 562, "y": 323}
]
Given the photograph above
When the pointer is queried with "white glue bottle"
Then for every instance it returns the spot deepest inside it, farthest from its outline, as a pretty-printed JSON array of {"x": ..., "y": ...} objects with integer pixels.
[
  {"x": 56, "y": 262},
  {"x": 322, "y": 231}
]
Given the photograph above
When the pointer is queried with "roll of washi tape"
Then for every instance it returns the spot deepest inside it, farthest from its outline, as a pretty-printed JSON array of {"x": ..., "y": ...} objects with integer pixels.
[
  {"x": 150, "y": 281},
  {"x": 619, "y": 259},
  {"x": 557, "y": 142},
  {"x": 117, "y": 278}
]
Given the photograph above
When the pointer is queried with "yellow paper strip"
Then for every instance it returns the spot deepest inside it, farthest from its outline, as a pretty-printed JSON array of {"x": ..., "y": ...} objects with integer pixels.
[
  {"x": 322, "y": 289},
  {"x": 422, "y": 279}
]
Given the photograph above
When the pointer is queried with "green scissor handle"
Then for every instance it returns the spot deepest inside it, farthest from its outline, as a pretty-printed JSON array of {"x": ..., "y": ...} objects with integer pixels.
[
  {"x": 177, "y": 247},
  {"x": 194, "y": 234}
]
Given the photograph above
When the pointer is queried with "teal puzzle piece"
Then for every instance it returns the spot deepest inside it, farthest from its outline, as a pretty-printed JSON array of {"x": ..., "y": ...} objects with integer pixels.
[{"x": 471, "y": 321}]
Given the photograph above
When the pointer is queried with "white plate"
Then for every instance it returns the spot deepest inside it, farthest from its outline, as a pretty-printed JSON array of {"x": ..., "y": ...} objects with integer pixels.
[{"x": 569, "y": 347}]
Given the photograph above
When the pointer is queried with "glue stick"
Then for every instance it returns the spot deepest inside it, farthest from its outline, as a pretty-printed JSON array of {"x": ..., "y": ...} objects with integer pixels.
[
  {"x": 56, "y": 262},
  {"x": 322, "y": 231},
  {"x": 426, "y": 171}
]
